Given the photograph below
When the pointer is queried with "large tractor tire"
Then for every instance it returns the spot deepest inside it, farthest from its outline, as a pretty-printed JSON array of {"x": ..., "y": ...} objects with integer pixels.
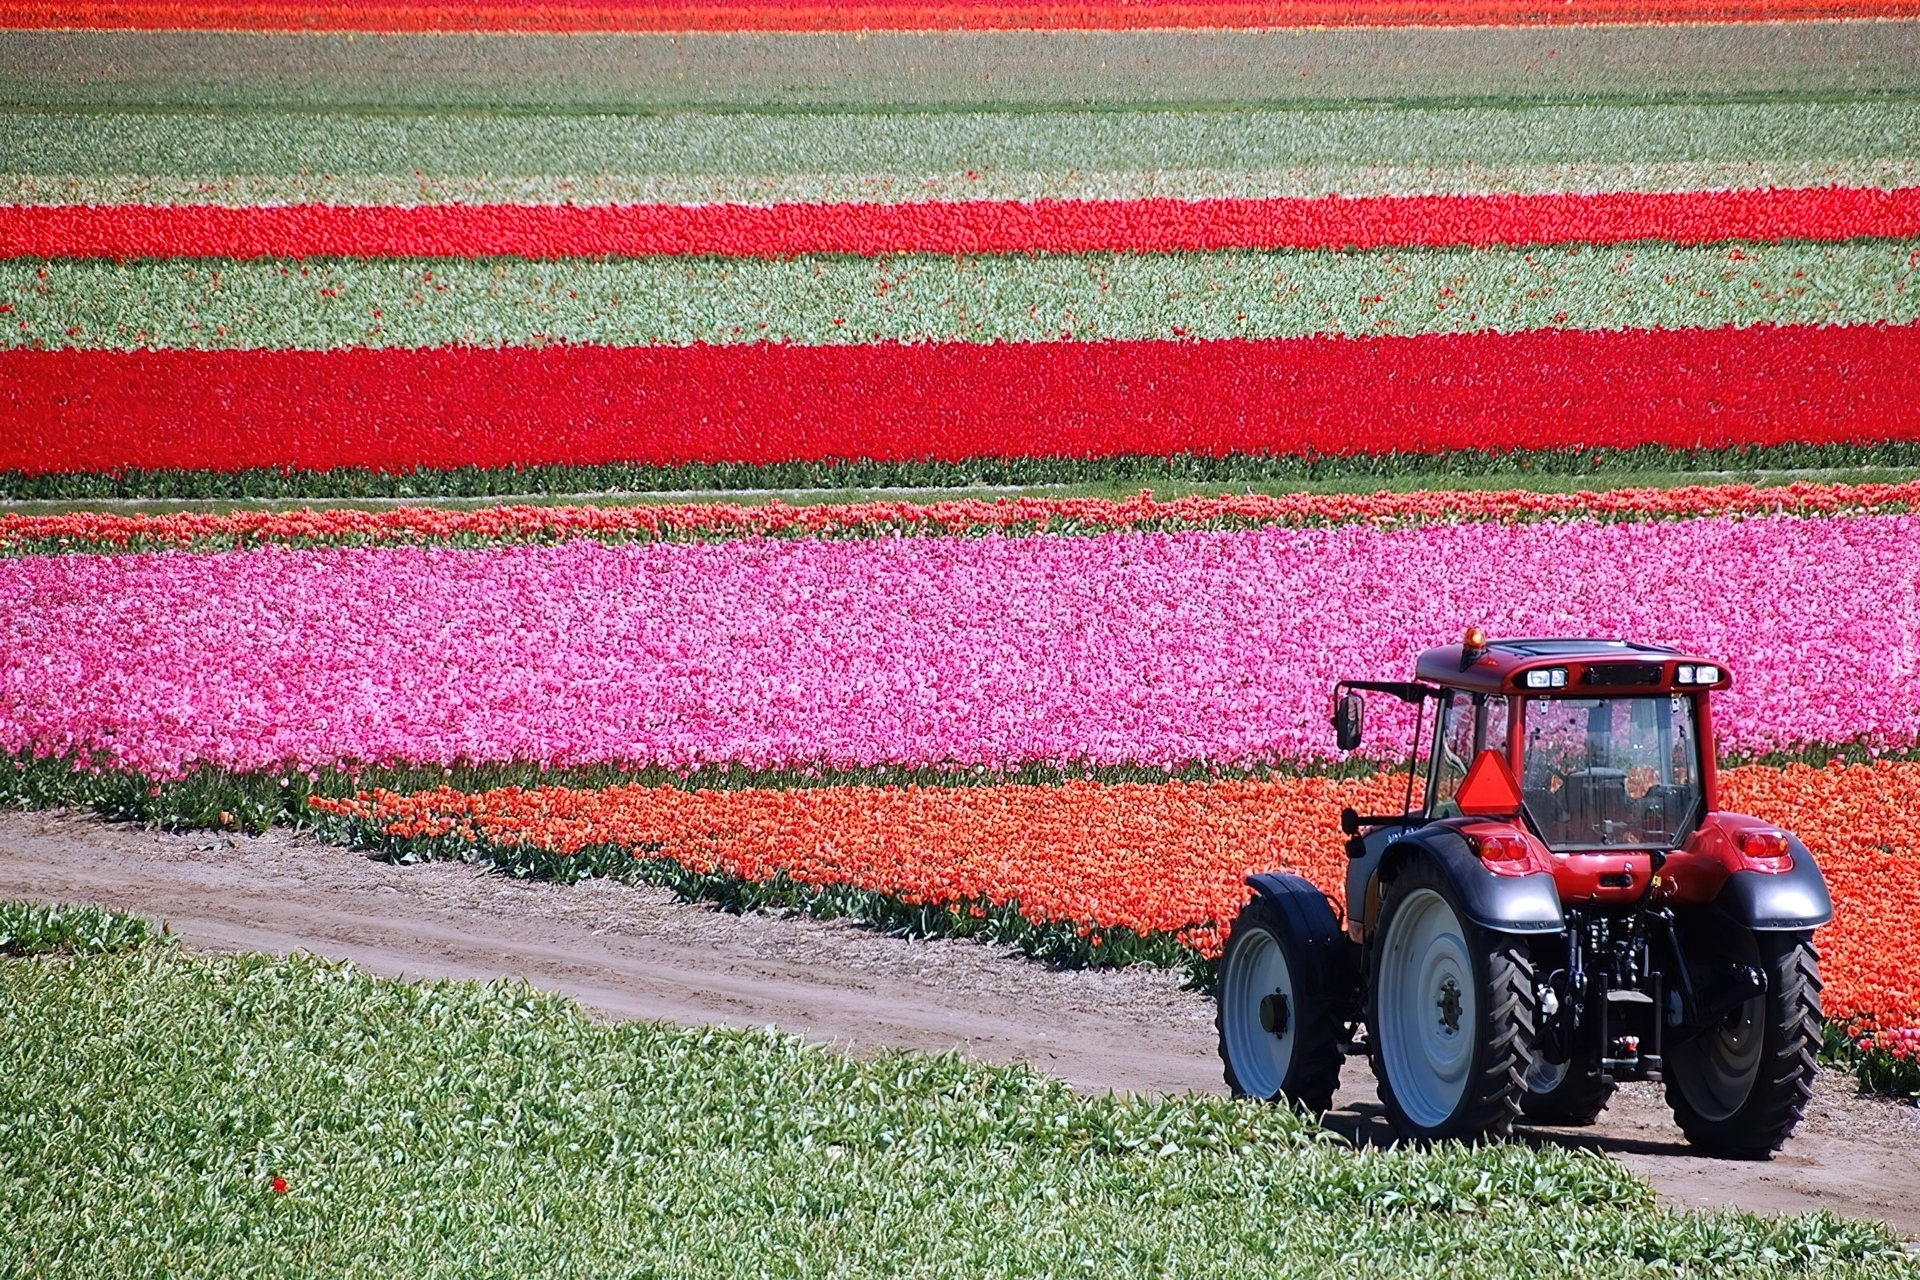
[
  {"x": 1568, "y": 1094},
  {"x": 1274, "y": 1043},
  {"x": 1740, "y": 1088},
  {"x": 1450, "y": 1013}
]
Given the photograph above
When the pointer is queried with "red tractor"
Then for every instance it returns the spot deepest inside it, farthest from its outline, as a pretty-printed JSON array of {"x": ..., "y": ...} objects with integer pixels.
[{"x": 1566, "y": 907}]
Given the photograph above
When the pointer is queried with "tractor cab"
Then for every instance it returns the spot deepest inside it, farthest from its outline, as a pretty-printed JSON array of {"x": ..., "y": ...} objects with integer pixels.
[{"x": 1603, "y": 737}]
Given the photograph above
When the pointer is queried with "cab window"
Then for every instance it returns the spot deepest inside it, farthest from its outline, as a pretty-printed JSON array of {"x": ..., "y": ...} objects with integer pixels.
[{"x": 1467, "y": 725}]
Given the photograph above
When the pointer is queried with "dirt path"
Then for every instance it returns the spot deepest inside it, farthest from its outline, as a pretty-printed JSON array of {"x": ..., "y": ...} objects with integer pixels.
[{"x": 638, "y": 953}]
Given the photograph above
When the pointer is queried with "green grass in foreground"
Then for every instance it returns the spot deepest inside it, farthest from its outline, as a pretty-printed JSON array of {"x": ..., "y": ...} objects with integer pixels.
[
  {"x": 33, "y": 928},
  {"x": 150, "y": 1100},
  {"x": 839, "y": 480}
]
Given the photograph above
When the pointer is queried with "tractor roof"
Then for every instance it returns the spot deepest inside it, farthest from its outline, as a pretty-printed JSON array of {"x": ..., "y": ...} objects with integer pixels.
[{"x": 1591, "y": 666}]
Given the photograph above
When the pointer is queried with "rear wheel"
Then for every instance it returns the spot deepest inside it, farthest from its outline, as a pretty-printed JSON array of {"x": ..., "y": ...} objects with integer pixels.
[
  {"x": 1564, "y": 1093},
  {"x": 1273, "y": 1043},
  {"x": 1450, "y": 1015},
  {"x": 1741, "y": 1086}
]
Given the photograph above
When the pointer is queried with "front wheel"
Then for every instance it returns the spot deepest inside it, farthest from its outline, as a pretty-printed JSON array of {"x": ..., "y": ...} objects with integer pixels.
[
  {"x": 1451, "y": 1013},
  {"x": 1741, "y": 1086},
  {"x": 1272, "y": 1042}
]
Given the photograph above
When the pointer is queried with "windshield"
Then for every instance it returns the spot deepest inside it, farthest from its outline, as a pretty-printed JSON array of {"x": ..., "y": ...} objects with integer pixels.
[{"x": 1611, "y": 772}]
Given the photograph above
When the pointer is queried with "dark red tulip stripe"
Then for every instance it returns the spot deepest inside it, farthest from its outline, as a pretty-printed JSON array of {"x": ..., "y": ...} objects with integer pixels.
[
  {"x": 983, "y": 226},
  {"x": 856, "y": 15},
  {"x": 397, "y": 410},
  {"x": 94, "y": 531}
]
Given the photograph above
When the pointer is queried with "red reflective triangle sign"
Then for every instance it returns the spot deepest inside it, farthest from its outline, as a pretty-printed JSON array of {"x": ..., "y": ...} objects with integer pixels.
[{"x": 1489, "y": 791}]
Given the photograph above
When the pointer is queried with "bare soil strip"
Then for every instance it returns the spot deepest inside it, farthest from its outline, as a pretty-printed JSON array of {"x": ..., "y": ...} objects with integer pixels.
[
  {"x": 638, "y": 953},
  {"x": 204, "y": 70}
]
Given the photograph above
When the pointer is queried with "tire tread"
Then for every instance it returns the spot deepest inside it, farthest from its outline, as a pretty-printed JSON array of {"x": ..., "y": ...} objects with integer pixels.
[
  {"x": 1317, "y": 1058},
  {"x": 1785, "y": 1083},
  {"x": 1513, "y": 1014}
]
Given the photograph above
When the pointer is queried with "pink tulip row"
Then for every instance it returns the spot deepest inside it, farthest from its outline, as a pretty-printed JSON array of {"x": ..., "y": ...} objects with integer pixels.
[{"x": 1125, "y": 648}]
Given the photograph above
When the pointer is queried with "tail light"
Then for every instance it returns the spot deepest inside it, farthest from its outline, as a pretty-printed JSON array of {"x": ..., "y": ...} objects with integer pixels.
[
  {"x": 1766, "y": 850},
  {"x": 1504, "y": 852}
]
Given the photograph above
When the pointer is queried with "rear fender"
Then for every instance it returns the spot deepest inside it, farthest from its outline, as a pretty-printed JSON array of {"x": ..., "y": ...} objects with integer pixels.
[
  {"x": 1363, "y": 864},
  {"x": 1505, "y": 904},
  {"x": 1779, "y": 900},
  {"x": 1331, "y": 959}
]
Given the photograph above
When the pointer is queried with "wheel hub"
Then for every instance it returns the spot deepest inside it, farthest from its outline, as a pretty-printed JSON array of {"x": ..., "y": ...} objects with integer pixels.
[
  {"x": 1273, "y": 1013},
  {"x": 1449, "y": 1003}
]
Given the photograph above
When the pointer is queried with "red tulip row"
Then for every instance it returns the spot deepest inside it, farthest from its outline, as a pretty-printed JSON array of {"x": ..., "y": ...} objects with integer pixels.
[
  {"x": 859, "y": 15},
  {"x": 65, "y": 411},
  {"x": 975, "y": 226},
  {"x": 84, "y": 531},
  {"x": 1158, "y": 859}
]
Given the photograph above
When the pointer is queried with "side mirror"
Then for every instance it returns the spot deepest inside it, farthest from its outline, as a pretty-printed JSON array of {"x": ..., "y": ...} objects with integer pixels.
[{"x": 1348, "y": 714}]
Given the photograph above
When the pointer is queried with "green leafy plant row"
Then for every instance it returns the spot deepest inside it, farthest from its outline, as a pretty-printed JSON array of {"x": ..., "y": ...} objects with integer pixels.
[
  {"x": 258, "y": 1117},
  {"x": 35, "y": 928},
  {"x": 218, "y": 798},
  {"x": 856, "y": 474}
]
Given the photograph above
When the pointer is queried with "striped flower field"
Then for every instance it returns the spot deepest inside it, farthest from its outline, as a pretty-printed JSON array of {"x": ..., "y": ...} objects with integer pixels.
[
  {"x": 492, "y": 249},
  {"x": 875, "y": 256}
]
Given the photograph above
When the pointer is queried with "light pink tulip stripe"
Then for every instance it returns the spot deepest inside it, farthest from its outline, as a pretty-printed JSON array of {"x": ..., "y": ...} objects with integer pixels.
[{"x": 1125, "y": 648}]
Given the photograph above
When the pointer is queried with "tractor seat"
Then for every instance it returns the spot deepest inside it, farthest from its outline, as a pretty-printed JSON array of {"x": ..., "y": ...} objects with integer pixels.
[{"x": 1592, "y": 799}]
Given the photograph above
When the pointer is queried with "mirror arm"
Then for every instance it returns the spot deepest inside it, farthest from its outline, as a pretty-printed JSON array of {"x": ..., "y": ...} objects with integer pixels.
[{"x": 1408, "y": 691}]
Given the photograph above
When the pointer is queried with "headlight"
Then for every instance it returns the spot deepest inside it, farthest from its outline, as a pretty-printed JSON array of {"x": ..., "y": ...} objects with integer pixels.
[
  {"x": 1706, "y": 675},
  {"x": 1683, "y": 675}
]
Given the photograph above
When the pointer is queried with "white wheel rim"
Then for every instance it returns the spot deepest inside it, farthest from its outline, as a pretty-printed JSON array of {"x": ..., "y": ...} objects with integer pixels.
[
  {"x": 1256, "y": 969},
  {"x": 1717, "y": 1071},
  {"x": 1429, "y": 1009}
]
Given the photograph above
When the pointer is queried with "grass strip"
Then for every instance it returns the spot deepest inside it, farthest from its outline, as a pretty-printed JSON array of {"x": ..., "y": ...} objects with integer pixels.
[
  {"x": 84, "y": 533},
  {"x": 1441, "y": 471},
  {"x": 255, "y": 1116},
  {"x": 892, "y": 70},
  {"x": 38, "y": 928},
  {"x": 397, "y": 196},
  {"x": 244, "y": 304},
  {"x": 692, "y": 157}
]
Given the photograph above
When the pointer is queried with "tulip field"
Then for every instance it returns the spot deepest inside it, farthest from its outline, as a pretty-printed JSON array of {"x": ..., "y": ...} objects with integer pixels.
[
  {"x": 658, "y": 245},
  {"x": 1654, "y": 264},
  {"x": 1080, "y": 720}
]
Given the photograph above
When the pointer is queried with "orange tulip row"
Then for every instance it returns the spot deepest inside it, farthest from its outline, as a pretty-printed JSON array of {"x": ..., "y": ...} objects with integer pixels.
[
  {"x": 94, "y": 531},
  {"x": 1163, "y": 858},
  {"x": 1859, "y": 822}
]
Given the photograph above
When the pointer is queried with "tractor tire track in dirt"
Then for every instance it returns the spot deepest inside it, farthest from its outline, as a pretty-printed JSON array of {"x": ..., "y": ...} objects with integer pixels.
[{"x": 630, "y": 952}]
